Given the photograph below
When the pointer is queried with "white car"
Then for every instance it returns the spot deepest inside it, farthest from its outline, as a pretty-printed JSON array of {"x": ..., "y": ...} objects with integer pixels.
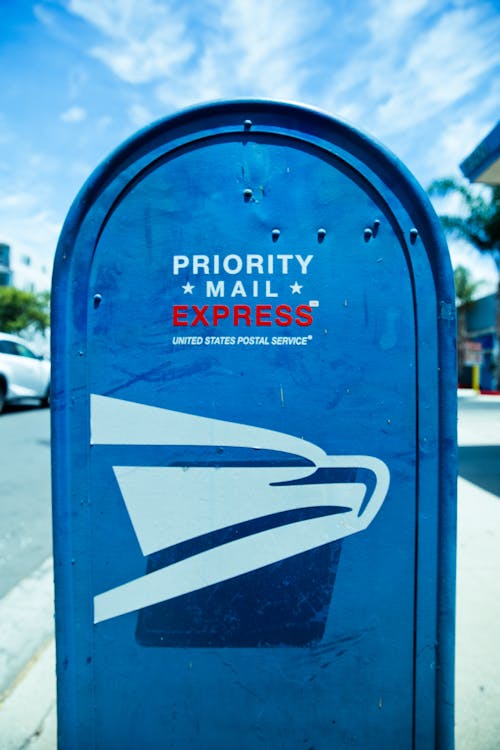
[{"x": 23, "y": 374}]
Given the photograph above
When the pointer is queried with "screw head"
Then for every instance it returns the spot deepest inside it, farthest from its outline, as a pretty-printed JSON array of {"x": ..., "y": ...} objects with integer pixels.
[
  {"x": 368, "y": 234},
  {"x": 275, "y": 234},
  {"x": 247, "y": 124},
  {"x": 247, "y": 194},
  {"x": 321, "y": 234}
]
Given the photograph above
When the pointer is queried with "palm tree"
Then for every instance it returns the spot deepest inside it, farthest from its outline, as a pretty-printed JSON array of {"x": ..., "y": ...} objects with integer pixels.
[
  {"x": 465, "y": 288},
  {"x": 480, "y": 222}
]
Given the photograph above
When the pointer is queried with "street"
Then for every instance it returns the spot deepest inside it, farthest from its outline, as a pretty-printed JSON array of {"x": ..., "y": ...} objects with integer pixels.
[
  {"x": 25, "y": 514},
  {"x": 25, "y": 573}
]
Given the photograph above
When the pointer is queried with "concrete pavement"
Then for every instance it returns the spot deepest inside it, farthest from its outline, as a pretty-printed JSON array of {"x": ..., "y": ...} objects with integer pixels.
[
  {"x": 27, "y": 664},
  {"x": 478, "y": 579},
  {"x": 26, "y": 622},
  {"x": 477, "y": 674}
]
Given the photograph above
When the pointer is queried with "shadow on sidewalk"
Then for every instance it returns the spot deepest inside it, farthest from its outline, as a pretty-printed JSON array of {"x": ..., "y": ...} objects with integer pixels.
[{"x": 480, "y": 464}]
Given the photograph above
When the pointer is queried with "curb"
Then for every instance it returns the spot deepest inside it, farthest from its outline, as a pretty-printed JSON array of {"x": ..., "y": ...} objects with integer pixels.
[
  {"x": 26, "y": 623},
  {"x": 28, "y": 713}
]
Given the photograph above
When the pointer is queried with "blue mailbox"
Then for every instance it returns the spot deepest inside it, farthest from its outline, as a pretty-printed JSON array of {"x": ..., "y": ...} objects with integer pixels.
[{"x": 254, "y": 443}]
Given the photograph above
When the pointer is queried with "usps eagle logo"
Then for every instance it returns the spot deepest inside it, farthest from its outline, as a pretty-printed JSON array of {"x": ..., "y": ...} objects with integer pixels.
[{"x": 281, "y": 511}]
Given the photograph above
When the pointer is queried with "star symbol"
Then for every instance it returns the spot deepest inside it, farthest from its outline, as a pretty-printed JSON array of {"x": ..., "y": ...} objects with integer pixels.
[
  {"x": 188, "y": 288},
  {"x": 296, "y": 288}
]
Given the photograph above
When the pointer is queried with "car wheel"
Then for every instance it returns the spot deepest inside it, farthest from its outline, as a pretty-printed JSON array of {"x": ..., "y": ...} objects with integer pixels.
[
  {"x": 3, "y": 394},
  {"x": 46, "y": 398}
]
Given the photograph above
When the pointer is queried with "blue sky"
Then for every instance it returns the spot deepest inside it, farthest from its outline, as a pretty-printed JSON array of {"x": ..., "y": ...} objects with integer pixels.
[{"x": 77, "y": 77}]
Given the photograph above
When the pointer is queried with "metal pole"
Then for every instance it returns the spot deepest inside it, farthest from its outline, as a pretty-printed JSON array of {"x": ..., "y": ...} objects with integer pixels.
[{"x": 475, "y": 377}]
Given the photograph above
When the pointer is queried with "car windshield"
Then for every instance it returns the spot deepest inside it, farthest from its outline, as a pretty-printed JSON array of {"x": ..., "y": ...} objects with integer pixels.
[
  {"x": 23, "y": 351},
  {"x": 12, "y": 347}
]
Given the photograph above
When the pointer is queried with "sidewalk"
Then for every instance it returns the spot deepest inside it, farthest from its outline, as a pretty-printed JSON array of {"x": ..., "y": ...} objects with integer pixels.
[
  {"x": 27, "y": 664},
  {"x": 27, "y": 708},
  {"x": 477, "y": 674},
  {"x": 471, "y": 393}
]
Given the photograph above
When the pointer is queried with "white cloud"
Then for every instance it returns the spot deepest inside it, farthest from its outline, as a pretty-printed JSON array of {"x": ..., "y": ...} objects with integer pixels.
[
  {"x": 78, "y": 78},
  {"x": 29, "y": 229},
  {"x": 104, "y": 122},
  {"x": 81, "y": 169},
  {"x": 417, "y": 60},
  {"x": 252, "y": 49},
  {"x": 460, "y": 137},
  {"x": 144, "y": 40},
  {"x": 406, "y": 72},
  {"x": 27, "y": 223},
  {"x": 139, "y": 115},
  {"x": 387, "y": 20},
  {"x": 74, "y": 114},
  {"x": 443, "y": 65},
  {"x": 44, "y": 15},
  {"x": 207, "y": 50},
  {"x": 268, "y": 43},
  {"x": 10, "y": 201}
]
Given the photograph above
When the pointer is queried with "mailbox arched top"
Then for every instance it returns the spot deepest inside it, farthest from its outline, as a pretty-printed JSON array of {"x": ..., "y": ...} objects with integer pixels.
[{"x": 249, "y": 120}]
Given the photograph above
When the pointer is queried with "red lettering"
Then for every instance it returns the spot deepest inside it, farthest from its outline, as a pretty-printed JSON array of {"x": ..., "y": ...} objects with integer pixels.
[
  {"x": 200, "y": 315},
  {"x": 263, "y": 315},
  {"x": 220, "y": 312},
  {"x": 283, "y": 317},
  {"x": 180, "y": 315},
  {"x": 241, "y": 312},
  {"x": 304, "y": 317}
]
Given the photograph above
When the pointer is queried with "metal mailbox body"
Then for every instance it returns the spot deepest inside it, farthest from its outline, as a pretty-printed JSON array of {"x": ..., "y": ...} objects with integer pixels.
[{"x": 253, "y": 443}]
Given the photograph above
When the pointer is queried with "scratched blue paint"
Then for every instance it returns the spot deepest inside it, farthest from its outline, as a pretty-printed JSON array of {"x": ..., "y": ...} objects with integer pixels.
[{"x": 329, "y": 342}]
